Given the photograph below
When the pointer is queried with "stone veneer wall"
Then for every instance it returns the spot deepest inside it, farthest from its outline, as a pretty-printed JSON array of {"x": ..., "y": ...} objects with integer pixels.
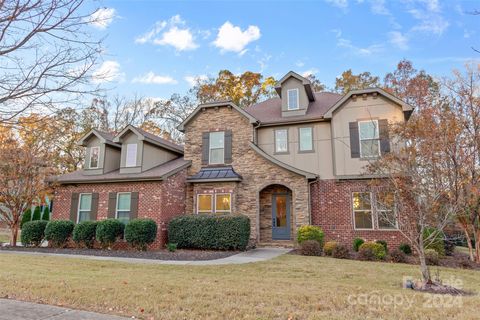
[
  {"x": 256, "y": 171},
  {"x": 332, "y": 211},
  {"x": 158, "y": 200}
]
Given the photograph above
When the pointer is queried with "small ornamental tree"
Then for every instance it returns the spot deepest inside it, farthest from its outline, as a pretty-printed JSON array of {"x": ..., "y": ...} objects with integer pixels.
[
  {"x": 46, "y": 214},
  {"x": 37, "y": 213},
  {"x": 26, "y": 217}
]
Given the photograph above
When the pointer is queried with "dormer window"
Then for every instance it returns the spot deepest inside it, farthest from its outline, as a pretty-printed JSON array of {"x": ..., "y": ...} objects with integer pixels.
[
  {"x": 94, "y": 157},
  {"x": 293, "y": 99},
  {"x": 131, "y": 158}
]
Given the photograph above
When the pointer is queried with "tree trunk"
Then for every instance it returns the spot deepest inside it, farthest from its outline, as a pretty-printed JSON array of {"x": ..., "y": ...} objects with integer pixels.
[
  {"x": 469, "y": 244},
  {"x": 477, "y": 246},
  {"x": 427, "y": 279},
  {"x": 14, "y": 230}
]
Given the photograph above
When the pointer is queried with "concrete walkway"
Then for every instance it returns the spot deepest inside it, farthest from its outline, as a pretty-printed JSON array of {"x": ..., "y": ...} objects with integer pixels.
[
  {"x": 255, "y": 255},
  {"x": 19, "y": 310}
]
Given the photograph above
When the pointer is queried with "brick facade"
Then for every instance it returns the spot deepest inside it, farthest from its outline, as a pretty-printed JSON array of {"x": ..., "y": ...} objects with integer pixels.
[
  {"x": 331, "y": 209},
  {"x": 158, "y": 200}
]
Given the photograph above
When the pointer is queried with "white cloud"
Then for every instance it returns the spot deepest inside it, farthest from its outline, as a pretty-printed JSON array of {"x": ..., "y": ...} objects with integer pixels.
[
  {"x": 378, "y": 7},
  {"x": 152, "y": 78},
  {"x": 308, "y": 72},
  {"x": 109, "y": 71},
  {"x": 360, "y": 51},
  {"x": 432, "y": 5},
  {"x": 299, "y": 63},
  {"x": 172, "y": 32},
  {"x": 232, "y": 38},
  {"x": 338, "y": 3},
  {"x": 398, "y": 39},
  {"x": 192, "y": 80},
  {"x": 102, "y": 18},
  {"x": 431, "y": 21}
]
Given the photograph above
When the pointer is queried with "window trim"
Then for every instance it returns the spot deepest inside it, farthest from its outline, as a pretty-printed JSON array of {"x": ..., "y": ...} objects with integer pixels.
[
  {"x": 288, "y": 99},
  {"x": 210, "y": 148},
  {"x": 395, "y": 228},
  {"x": 90, "y": 158},
  {"x": 275, "y": 141},
  {"x": 377, "y": 139},
  {"x": 215, "y": 202},
  {"x": 371, "y": 211},
  {"x": 126, "y": 155},
  {"x": 299, "y": 140},
  {"x": 212, "y": 204},
  {"x": 79, "y": 204},
  {"x": 116, "y": 205}
]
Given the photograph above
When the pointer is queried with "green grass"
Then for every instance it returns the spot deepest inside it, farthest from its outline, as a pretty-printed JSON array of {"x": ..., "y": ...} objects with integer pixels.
[
  {"x": 5, "y": 235},
  {"x": 288, "y": 287}
]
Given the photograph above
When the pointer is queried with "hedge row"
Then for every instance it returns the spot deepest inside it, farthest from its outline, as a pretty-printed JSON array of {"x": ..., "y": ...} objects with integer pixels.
[{"x": 219, "y": 232}]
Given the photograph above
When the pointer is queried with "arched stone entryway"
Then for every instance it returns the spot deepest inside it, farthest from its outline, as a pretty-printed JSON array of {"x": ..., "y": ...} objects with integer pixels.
[{"x": 276, "y": 216}]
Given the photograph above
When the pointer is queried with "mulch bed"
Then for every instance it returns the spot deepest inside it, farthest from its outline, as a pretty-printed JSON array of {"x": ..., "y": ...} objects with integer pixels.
[{"x": 180, "y": 254}]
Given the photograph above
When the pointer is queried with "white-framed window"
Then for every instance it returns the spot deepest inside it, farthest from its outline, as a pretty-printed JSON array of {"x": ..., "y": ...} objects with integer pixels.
[
  {"x": 369, "y": 135},
  {"x": 94, "y": 157},
  {"x": 204, "y": 203},
  {"x": 217, "y": 147},
  {"x": 84, "y": 207},
  {"x": 293, "y": 99},
  {"x": 281, "y": 140},
  {"x": 123, "y": 208},
  {"x": 223, "y": 202},
  {"x": 362, "y": 210},
  {"x": 131, "y": 157},
  {"x": 386, "y": 211},
  {"x": 305, "y": 139}
]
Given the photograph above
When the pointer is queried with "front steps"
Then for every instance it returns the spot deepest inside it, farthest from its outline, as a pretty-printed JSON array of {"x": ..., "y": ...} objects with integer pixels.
[{"x": 276, "y": 244}]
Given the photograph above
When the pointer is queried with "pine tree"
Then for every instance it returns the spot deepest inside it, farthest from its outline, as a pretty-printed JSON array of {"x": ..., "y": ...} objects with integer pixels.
[
  {"x": 26, "y": 217},
  {"x": 37, "y": 214},
  {"x": 46, "y": 214}
]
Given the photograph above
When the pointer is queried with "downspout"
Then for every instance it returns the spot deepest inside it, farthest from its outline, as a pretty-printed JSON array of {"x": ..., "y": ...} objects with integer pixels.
[
  {"x": 254, "y": 127},
  {"x": 310, "y": 200}
]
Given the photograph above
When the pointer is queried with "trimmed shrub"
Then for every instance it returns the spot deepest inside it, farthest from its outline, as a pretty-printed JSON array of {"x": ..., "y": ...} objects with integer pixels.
[
  {"x": 357, "y": 242},
  {"x": 329, "y": 247},
  {"x": 383, "y": 243},
  {"x": 26, "y": 217},
  {"x": 405, "y": 248},
  {"x": 57, "y": 232},
  {"x": 84, "y": 233},
  {"x": 310, "y": 248},
  {"x": 108, "y": 231},
  {"x": 341, "y": 252},
  {"x": 436, "y": 243},
  {"x": 172, "y": 247},
  {"x": 398, "y": 256},
  {"x": 305, "y": 233},
  {"x": 139, "y": 233},
  {"x": 46, "y": 214},
  {"x": 432, "y": 257},
  {"x": 33, "y": 233},
  {"x": 372, "y": 251},
  {"x": 37, "y": 214},
  {"x": 205, "y": 231}
]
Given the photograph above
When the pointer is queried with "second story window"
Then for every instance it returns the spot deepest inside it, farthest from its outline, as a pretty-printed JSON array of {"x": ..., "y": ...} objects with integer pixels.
[
  {"x": 305, "y": 139},
  {"x": 131, "y": 157},
  {"x": 94, "y": 157},
  {"x": 292, "y": 99},
  {"x": 369, "y": 139},
  {"x": 281, "y": 141},
  {"x": 217, "y": 148}
]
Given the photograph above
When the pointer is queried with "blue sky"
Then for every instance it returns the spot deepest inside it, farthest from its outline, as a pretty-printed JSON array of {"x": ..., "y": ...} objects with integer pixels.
[{"x": 155, "y": 48}]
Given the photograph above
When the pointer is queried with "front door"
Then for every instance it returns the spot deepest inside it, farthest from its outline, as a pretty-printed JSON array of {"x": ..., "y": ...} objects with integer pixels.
[{"x": 281, "y": 217}]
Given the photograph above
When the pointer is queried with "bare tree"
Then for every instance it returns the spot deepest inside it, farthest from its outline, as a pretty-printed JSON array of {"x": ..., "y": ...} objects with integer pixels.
[{"x": 46, "y": 55}]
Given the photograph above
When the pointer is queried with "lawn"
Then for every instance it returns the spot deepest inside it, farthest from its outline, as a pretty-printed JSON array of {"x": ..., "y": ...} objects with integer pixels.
[
  {"x": 5, "y": 235},
  {"x": 288, "y": 287}
]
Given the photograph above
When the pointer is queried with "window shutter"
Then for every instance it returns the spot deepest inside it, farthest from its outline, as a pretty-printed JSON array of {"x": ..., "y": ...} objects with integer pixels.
[
  {"x": 94, "y": 210},
  {"x": 74, "y": 207},
  {"x": 384, "y": 138},
  {"x": 205, "y": 147},
  {"x": 228, "y": 146},
  {"x": 134, "y": 205},
  {"x": 354, "y": 140},
  {"x": 112, "y": 204}
]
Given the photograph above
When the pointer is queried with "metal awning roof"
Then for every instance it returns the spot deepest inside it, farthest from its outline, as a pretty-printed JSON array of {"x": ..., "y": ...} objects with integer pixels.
[{"x": 217, "y": 174}]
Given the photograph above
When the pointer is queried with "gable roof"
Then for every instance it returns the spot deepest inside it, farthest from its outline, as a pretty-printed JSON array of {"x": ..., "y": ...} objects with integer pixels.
[
  {"x": 306, "y": 84},
  {"x": 204, "y": 106},
  {"x": 104, "y": 137},
  {"x": 270, "y": 111},
  {"x": 407, "y": 109},
  {"x": 151, "y": 138}
]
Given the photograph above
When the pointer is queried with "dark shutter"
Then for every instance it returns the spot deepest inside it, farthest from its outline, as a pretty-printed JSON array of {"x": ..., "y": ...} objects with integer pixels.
[
  {"x": 134, "y": 205},
  {"x": 384, "y": 138},
  {"x": 94, "y": 210},
  {"x": 112, "y": 204},
  {"x": 205, "y": 147},
  {"x": 74, "y": 207},
  {"x": 228, "y": 146},
  {"x": 354, "y": 140}
]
